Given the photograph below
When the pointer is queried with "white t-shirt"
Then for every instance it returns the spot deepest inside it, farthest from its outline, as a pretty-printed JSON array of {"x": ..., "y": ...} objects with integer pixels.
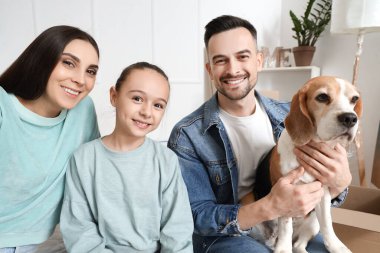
[{"x": 251, "y": 138}]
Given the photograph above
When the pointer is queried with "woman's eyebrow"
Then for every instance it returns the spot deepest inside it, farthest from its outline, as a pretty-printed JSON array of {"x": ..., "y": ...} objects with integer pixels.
[
  {"x": 78, "y": 60},
  {"x": 72, "y": 56}
]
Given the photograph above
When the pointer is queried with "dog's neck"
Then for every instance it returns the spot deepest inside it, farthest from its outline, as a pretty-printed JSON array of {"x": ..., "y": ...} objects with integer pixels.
[
  {"x": 288, "y": 159},
  {"x": 344, "y": 142}
]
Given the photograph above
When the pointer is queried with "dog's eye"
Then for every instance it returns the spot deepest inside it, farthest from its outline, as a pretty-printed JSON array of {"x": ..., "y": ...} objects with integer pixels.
[
  {"x": 354, "y": 99},
  {"x": 324, "y": 98}
]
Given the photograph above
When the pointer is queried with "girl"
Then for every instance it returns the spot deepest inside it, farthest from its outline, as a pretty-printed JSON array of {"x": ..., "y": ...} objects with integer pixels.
[
  {"x": 45, "y": 115},
  {"x": 124, "y": 192}
]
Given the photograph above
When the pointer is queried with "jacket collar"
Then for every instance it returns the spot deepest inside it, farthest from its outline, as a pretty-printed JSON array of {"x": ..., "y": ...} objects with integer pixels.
[
  {"x": 270, "y": 105},
  {"x": 211, "y": 111}
]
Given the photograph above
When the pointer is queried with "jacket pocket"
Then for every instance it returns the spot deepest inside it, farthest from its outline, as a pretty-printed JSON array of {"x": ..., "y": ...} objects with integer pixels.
[
  {"x": 221, "y": 183},
  {"x": 219, "y": 172}
]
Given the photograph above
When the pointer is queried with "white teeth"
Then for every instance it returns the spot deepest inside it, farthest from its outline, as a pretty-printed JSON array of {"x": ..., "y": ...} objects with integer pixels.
[
  {"x": 141, "y": 124},
  {"x": 70, "y": 91},
  {"x": 235, "y": 81}
]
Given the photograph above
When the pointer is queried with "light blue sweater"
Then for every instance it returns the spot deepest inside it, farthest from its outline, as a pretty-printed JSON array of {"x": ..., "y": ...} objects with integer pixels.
[
  {"x": 34, "y": 153},
  {"x": 132, "y": 201}
]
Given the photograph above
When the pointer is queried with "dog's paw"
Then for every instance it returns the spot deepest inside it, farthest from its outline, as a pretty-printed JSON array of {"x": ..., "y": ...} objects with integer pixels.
[
  {"x": 336, "y": 246},
  {"x": 295, "y": 250},
  {"x": 299, "y": 246},
  {"x": 279, "y": 250},
  {"x": 342, "y": 249}
]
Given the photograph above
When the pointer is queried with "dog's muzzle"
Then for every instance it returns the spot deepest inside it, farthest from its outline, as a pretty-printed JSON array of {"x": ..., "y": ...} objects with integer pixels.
[{"x": 348, "y": 119}]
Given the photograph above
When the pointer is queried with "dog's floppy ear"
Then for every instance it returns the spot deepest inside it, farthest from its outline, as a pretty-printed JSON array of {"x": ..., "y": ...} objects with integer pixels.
[
  {"x": 298, "y": 122},
  {"x": 359, "y": 107}
]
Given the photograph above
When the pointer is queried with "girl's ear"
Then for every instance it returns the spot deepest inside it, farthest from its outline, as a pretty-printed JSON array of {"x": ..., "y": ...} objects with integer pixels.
[{"x": 113, "y": 96}]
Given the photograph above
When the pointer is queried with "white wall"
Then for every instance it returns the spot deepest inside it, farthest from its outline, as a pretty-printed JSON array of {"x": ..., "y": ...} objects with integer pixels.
[{"x": 169, "y": 33}]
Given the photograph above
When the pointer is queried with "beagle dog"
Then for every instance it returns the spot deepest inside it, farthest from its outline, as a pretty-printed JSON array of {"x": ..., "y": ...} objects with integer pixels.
[{"x": 325, "y": 109}]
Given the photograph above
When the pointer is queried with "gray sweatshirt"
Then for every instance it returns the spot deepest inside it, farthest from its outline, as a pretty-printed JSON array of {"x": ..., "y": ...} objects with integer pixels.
[{"x": 132, "y": 201}]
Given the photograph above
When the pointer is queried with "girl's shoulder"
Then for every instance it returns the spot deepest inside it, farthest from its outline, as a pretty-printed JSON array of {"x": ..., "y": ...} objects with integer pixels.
[
  {"x": 160, "y": 149},
  {"x": 86, "y": 149}
]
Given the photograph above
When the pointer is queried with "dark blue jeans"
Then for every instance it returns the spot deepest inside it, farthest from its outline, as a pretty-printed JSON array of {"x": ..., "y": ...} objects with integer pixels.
[{"x": 244, "y": 244}]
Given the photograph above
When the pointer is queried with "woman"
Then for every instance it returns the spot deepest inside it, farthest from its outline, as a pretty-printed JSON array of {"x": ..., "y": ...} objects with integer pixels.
[{"x": 45, "y": 114}]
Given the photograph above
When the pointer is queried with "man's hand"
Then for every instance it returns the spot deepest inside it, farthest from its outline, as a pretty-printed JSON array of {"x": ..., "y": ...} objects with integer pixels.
[
  {"x": 292, "y": 200},
  {"x": 328, "y": 165},
  {"x": 285, "y": 199}
]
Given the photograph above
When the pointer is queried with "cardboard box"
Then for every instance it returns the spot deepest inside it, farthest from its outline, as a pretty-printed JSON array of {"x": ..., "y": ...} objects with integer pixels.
[
  {"x": 357, "y": 221},
  {"x": 376, "y": 163}
]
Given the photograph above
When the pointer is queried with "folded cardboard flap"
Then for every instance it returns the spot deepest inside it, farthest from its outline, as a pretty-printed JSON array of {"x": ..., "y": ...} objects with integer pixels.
[
  {"x": 357, "y": 221},
  {"x": 358, "y": 240},
  {"x": 363, "y": 199}
]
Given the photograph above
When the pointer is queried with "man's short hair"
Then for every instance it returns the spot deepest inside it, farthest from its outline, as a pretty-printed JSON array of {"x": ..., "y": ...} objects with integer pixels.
[{"x": 225, "y": 23}]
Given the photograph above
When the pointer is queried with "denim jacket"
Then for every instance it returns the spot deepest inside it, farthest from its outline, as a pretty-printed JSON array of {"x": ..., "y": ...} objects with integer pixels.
[{"x": 209, "y": 167}]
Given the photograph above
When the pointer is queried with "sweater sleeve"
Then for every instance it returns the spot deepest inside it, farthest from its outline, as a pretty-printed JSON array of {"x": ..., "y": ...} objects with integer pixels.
[
  {"x": 78, "y": 225},
  {"x": 176, "y": 222}
]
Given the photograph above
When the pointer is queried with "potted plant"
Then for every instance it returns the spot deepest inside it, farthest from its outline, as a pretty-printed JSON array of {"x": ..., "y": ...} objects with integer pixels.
[{"x": 308, "y": 28}]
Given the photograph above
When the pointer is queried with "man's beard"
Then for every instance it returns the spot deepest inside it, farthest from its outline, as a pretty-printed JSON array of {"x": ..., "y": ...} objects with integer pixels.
[{"x": 233, "y": 95}]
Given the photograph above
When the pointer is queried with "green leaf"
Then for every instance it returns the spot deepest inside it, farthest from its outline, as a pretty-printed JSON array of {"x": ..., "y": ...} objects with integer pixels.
[{"x": 309, "y": 26}]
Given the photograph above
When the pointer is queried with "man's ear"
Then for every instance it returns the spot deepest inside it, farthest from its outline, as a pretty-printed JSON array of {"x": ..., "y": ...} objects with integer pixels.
[
  {"x": 259, "y": 59},
  {"x": 208, "y": 68},
  {"x": 113, "y": 96}
]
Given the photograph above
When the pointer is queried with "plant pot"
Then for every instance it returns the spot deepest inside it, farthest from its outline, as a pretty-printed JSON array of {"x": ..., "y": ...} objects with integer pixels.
[{"x": 303, "y": 55}]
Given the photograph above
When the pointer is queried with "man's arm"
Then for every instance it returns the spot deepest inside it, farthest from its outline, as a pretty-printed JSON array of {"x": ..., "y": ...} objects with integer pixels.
[
  {"x": 210, "y": 218},
  {"x": 285, "y": 199}
]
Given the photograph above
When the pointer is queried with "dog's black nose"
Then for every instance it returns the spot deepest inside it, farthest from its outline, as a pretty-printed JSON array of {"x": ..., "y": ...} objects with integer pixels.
[{"x": 348, "y": 119}]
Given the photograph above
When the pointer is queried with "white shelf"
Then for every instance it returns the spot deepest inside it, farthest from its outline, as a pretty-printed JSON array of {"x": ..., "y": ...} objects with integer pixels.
[
  {"x": 284, "y": 82},
  {"x": 314, "y": 71}
]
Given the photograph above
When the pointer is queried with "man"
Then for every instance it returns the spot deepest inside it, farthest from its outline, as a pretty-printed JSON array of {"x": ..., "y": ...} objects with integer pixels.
[{"x": 223, "y": 143}]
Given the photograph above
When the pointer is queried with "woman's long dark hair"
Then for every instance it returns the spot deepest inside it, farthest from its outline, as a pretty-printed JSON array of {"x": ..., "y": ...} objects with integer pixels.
[{"x": 28, "y": 75}]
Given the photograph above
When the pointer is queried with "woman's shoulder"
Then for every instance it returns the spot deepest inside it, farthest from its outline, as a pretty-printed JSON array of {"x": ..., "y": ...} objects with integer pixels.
[
  {"x": 2, "y": 91},
  {"x": 85, "y": 104},
  {"x": 83, "y": 112},
  {"x": 4, "y": 96}
]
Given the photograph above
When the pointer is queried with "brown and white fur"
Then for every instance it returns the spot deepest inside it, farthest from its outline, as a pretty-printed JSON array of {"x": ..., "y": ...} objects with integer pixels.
[{"x": 325, "y": 109}]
